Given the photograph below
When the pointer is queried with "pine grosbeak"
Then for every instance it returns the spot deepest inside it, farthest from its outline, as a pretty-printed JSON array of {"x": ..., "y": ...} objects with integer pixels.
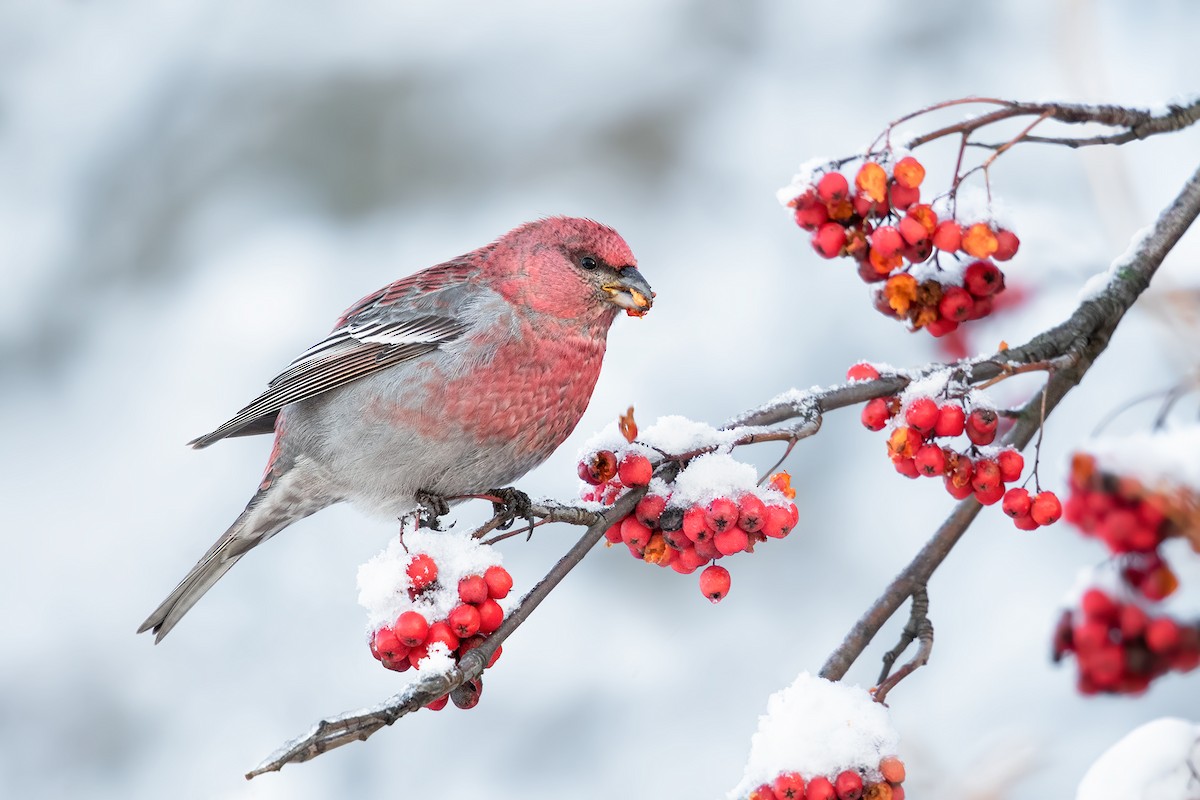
[{"x": 449, "y": 382}]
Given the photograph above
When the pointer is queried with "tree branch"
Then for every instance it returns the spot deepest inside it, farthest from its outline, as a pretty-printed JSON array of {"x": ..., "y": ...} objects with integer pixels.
[
  {"x": 1067, "y": 351},
  {"x": 1086, "y": 332},
  {"x": 358, "y": 726}
]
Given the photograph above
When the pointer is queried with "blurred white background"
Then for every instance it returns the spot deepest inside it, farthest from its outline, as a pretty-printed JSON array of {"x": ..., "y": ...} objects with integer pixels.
[{"x": 192, "y": 192}]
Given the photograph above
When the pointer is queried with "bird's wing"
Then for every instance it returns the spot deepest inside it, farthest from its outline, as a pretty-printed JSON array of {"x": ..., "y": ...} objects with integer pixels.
[{"x": 400, "y": 322}]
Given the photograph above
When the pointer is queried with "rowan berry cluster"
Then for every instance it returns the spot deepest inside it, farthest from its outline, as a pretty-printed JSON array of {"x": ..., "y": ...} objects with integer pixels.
[
  {"x": 846, "y": 785},
  {"x": 685, "y": 530},
  {"x": 1119, "y": 647},
  {"x": 424, "y": 628},
  {"x": 896, "y": 239},
  {"x": 917, "y": 421},
  {"x": 1121, "y": 512}
]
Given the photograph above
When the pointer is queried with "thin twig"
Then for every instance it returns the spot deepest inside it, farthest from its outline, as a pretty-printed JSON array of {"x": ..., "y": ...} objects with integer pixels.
[
  {"x": 920, "y": 628},
  {"x": 918, "y": 611}
]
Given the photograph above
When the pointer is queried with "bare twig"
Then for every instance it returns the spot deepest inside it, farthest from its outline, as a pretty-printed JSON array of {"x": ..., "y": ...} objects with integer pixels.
[
  {"x": 918, "y": 612},
  {"x": 918, "y": 627}
]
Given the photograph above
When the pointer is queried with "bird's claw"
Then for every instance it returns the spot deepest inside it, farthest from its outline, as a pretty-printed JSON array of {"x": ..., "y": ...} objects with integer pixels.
[
  {"x": 513, "y": 504},
  {"x": 432, "y": 508}
]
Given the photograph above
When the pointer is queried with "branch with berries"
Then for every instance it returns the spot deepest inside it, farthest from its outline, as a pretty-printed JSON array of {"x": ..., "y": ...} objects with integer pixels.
[{"x": 674, "y": 495}]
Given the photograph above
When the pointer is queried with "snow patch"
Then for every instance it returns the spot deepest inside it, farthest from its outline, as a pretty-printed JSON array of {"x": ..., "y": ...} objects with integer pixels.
[
  {"x": 1156, "y": 761},
  {"x": 383, "y": 582},
  {"x": 818, "y": 727}
]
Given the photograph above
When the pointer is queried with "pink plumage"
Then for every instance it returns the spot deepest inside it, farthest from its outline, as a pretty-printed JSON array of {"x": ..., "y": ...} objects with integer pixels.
[{"x": 453, "y": 381}]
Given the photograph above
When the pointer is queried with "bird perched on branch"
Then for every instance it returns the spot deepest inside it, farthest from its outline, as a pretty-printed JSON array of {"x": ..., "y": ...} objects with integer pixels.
[{"x": 449, "y": 382}]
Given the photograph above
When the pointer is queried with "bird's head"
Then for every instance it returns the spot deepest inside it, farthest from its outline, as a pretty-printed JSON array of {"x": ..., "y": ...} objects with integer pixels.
[{"x": 570, "y": 268}]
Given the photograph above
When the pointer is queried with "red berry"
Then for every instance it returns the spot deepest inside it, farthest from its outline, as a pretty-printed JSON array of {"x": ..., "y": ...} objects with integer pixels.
[
  {"x": 821, "y": 788},
  {"x": 386, "y": 645},
  {"x": 990, "y": 496},
  {"x": 1163, "y": 636},
  {"x": 959, "y": 491},
  {"x": 902, "y": 197},
  {"x": 983, "y": 279},
  {"x": 464, "y": 621},
  {"x": 908, "y": 172},
  {"x": 1096, "y": 605},
  {"x": 635, "y": 470},
  {"x": 763, "y": 792},
  {"x": 634, "y": 533},
  {"x": 752, "y": 513},
  {"x": 1006, "y": 245},
  {"x": 1133, "y": 621},
  {"x": 940, "y": 327},
  {"x": 707, "y": 550},
  {"x": 789, "y": 786},
  {"x": 862, "y": 371},
  {"x": 438, "y": 704},
  {"x": 930, "y": 460},
  {"x": 690, "y": 559},
  {"x": 906, "y": 467},
  {"x": 722, "y": 513},
  {"x": 886, "y": 241},
  {"x": 499, "y": 582},
  {"x": 714, "y": 583},
  {"x": 473, "y": 589},
  {"x": 956, "y": 304},
  {"x": 421, "y": 571},
  {"x": 948, "y": 236},
  {"x": 649, "y": 509},
  {"x": 849, "y": 785},
  {"x": 442, "y": 632},
  {"x": 1012, "y": 464},
  {"x": 417, "y": 655},
  {"x": 490, "y": 616},
  {"x": 731, "y": 540},
  {"x": 398, "y": 664},
  {"x": 411, "y": 628},
  {"x": 1016, "y": 503},
  {"x": 811, "y": 216},
  {"x": 951, "y": 419},
  {"x": 922, "y": 414},
  {"x": 833, "y": 186},
  {"x": 599, "y": 468},
  {"x": 778, "y": 523},
  {"x": 829, "y": 239},
  {"x": 1024, "y": 522},
  {"x": 892, "y": 769},
  {"x": 981, "y": 426},
  {"x": 1046, "y": 508},
  {"x": 612, "y": 535},
  {"x": 694, "y": 525},
  {"x": 876, "y": 413},
  {"x": 987, "y": 475},
  {"x": 912, "y": 231}
]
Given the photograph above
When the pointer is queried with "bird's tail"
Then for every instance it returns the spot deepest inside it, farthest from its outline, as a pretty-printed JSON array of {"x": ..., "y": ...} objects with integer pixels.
[{"x": 273, "y": 508}]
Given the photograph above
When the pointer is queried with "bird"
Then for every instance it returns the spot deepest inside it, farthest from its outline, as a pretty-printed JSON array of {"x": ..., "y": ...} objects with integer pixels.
[{"x": 449, "y": 382}]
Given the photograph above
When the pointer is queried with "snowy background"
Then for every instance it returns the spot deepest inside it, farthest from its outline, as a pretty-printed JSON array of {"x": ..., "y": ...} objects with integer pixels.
[{"x": 191, "y": 193}]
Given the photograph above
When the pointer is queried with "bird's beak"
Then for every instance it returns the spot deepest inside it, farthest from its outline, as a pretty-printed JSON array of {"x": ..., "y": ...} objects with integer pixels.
[{"x": 631, "y": 292}]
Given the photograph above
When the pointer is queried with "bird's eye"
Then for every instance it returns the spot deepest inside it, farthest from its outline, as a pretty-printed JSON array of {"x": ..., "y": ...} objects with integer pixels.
[{"x": 587, "y": 262}]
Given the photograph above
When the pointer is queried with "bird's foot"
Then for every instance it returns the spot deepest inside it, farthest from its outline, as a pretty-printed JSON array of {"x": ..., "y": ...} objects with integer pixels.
[
  {"x": 432, "y": 508},
  {"x": 513, "y": 504}
]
